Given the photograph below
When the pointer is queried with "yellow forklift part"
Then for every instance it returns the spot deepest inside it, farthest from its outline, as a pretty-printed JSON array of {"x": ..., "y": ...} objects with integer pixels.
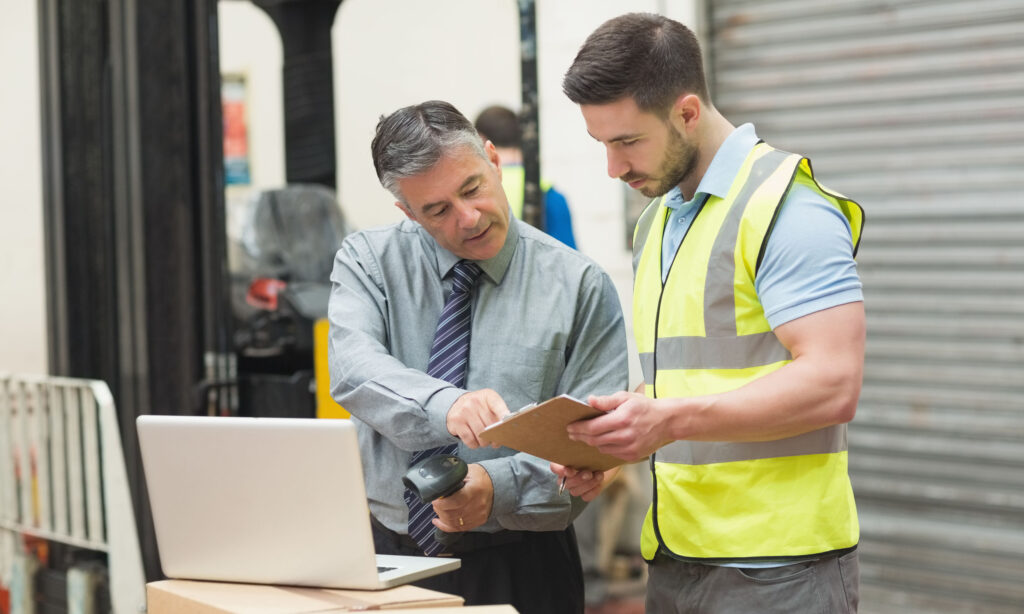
[{"x": 326, "y": 407}]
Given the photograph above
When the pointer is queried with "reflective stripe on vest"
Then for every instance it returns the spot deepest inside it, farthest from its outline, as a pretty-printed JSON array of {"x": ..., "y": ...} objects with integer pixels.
[{"x": 703, "y": 331}]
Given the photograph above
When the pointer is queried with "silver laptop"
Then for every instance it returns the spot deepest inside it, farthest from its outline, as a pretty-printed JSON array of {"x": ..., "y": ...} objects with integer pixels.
[{"x": 268, "y": 501}]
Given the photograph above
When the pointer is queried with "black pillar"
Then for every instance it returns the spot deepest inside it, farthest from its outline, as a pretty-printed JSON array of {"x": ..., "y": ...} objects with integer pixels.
[
  {"x": 529, "y": 119},
  {"x": 308, "y": 80},
  {"x": 133, "y": 201}
]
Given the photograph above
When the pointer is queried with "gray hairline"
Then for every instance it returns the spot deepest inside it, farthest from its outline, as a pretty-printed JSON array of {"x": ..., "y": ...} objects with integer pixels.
[{"x": 422, "y": 161}]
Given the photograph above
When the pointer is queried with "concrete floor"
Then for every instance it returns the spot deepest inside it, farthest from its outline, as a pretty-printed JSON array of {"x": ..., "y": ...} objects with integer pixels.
[
  {"x": 632, "y": 605},
  {"x": 623, "y": 595}
]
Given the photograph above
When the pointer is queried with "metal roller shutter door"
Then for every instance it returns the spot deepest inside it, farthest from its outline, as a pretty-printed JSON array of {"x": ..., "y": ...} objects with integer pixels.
[{"x": 916, "y": 110}]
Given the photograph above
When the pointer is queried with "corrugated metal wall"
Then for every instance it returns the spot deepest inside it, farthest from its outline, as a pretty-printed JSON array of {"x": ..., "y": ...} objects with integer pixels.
[{"x": 916, "y": 110}]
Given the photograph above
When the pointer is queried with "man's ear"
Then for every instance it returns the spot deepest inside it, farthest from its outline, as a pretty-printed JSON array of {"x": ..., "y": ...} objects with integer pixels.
[
  {"x": 406, "y": 210},
  {"x": 492, "y": 154},
  {"x": 686, "y": 112}
]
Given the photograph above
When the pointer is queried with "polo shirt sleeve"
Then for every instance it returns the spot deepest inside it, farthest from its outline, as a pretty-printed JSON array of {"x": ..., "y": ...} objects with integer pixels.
[{"x": 808, "y": 264}]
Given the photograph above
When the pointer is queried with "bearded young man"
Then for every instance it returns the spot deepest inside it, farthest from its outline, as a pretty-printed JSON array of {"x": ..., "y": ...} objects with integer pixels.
[{"x": 749, "y": 320}]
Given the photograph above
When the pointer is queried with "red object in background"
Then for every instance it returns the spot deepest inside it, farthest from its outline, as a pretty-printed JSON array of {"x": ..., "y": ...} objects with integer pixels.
[
  {"x": 5, "y": 601},
  {"x": 236, "y": 140},
  {"x": 263, "y": 293}
]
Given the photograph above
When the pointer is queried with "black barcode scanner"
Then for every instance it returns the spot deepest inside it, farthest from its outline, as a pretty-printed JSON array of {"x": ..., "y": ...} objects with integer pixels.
[{"x": 435, "y": 477}]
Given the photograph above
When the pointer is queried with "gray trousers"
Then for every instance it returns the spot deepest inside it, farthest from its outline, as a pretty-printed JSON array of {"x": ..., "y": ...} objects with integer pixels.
[{"x": 825, "y": 586}]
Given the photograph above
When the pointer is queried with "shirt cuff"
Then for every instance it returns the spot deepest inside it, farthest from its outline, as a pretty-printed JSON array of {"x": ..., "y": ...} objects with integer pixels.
[
  {"x": 500, "y": 471},
  {"x": 437, "y": 407}
]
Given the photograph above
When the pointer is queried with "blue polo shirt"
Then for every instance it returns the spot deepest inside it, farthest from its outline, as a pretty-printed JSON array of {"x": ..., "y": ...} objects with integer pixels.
[{"x": 808, "y": 263}]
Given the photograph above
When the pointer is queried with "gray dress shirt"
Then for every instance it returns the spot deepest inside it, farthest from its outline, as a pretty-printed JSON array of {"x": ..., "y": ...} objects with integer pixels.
[{"x": 546, "y": 321}]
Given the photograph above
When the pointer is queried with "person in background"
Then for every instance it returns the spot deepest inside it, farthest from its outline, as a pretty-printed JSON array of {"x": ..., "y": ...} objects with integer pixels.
[
  {"x": 749, "y": 321},
  {"x": 434, "y": 334},
  {"x": 500, "y": 126}
]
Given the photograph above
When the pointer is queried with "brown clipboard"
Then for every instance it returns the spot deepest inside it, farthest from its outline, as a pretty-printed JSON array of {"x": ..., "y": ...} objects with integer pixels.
[{"x": 540, "y": 430}]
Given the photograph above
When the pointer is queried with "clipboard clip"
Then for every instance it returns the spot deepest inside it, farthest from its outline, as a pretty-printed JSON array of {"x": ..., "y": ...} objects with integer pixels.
[{"x": 521, "y": 409}]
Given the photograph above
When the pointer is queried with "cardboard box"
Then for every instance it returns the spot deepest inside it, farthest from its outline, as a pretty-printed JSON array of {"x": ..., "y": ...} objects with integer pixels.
[{"x": 193, "y": 597}]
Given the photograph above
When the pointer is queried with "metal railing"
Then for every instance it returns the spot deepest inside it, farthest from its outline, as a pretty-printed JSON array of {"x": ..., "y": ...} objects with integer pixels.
[{"x": 63, "y": 478}]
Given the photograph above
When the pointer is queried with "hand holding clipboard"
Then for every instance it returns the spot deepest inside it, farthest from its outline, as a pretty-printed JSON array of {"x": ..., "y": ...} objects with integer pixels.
[{"x": 540, "y": 430}]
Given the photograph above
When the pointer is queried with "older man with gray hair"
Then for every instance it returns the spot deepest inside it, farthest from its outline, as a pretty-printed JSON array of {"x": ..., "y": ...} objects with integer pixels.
[{"x": 442, "y": 322}]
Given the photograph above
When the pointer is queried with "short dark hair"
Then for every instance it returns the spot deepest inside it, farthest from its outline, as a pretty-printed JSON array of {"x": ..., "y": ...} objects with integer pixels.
[
  {"x": 411, "y": 140},
  {"x": 648, "y": 57},
  {"x": 500, "y": 125}
]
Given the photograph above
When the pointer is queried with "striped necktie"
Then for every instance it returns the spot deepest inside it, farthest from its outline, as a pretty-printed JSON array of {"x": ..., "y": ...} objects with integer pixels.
[{"x": 449, "y": 357}]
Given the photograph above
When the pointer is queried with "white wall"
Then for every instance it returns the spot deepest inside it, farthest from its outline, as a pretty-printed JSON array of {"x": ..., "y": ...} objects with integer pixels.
[
  {"x": 392, "y": 53},
  {"x": 251, "y": 47},
  {"x": 22, "y": 269}
]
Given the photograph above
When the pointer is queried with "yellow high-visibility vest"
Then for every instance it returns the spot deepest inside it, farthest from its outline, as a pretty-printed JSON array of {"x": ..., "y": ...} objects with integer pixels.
[{"x": 703, "y": 332}]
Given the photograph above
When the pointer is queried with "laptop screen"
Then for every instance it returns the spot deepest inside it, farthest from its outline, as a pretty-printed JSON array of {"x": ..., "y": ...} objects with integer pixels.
[{"x": 264, "y": 500}]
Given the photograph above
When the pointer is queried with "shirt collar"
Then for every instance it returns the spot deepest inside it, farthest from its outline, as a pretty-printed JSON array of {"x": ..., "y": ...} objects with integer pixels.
[
  {"x": 724, "y": 166},
  {"x": 495, "y": 267}
]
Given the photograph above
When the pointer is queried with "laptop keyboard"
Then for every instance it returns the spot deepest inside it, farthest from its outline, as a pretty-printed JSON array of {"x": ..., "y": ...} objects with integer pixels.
[{"x": 381, "y": 569}]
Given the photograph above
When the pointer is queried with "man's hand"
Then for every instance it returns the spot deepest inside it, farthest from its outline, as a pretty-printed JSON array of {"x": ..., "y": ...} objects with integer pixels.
[
  {"x": 584, "y": 484},
  {"x": 632, "y": 429},
  {"x": 470, "y": 506},
  {"x": 472, "y": 413}
]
